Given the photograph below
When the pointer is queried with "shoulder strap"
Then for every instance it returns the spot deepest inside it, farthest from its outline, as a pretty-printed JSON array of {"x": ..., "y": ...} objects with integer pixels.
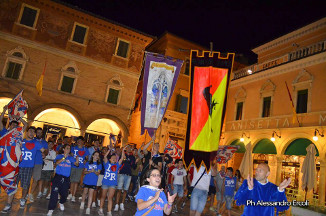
[
  {"x": 199, "y": 178},
  {"x": 149, "y": 210}
]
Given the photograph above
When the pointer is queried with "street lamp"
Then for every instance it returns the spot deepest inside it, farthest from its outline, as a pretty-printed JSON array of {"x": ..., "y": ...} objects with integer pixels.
[
  {"x": 242, "y": 139},
  {"x": 273, "y": 136},
  {"x": 315, "y": 138}
]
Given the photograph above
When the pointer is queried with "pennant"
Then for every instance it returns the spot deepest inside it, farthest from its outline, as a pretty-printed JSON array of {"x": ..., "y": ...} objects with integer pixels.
[
  {"x": 17, "y": 107},
  {"x": 173, "y": 149},
  {"x": 160, "y": 76},
  {"x": 225, "y": 153},
  {"x": 10, "y": 145},
  {"x": 209, "y": 81},
  {"x": 39, "y": 84},
  {"x": 294, "y": 117}
]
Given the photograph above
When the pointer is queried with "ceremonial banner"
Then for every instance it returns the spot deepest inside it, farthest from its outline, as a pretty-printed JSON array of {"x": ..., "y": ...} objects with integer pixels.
[
  {"x": 225, "y": 153},
  {"x": 10, "y": 145},
  {"x": 173, "y": 149},
  {"x": 17, "y": 107},
  {"x": 160, "y": 76},
  {"x": 39, "y": 84},
  {"x": 209, "y": 81}
]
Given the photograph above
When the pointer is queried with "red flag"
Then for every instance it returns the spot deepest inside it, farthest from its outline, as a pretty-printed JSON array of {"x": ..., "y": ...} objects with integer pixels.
[{"x": 293, "y": 109}]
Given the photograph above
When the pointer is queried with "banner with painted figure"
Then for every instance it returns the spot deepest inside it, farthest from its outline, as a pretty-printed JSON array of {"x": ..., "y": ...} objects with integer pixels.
[
  {"x": 225, "y": 153},
  {"x": 17, "y": 107},
  {"x": 173, "y": 149},
  {"x": 209, "y": 81},
  {"x": 160, "y": 76},
  {"x": 10, "y": 153}
]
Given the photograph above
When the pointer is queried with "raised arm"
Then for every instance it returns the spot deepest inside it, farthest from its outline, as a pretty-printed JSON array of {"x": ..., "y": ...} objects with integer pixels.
[
  {"x": 2, "y": 115},
  {"x": 105, "y": 159},
  {"x": 123, "y": 155},
  {"x": 24, "y": 123},
  {"x": 148, "y": 144}
]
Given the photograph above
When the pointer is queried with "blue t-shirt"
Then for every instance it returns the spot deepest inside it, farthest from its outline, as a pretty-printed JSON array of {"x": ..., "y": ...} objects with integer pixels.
[
  {"x": 38, "y": 157},
  {"x": 3, "y": 132},
  {"x": 91, "y": 178},
  {"x": 212, "y": 182},
  {"x": 29, "y": 149},
  {"x": 230, "y": 185},
  {"x": 146, "y": 193},
  {"x": 64, "y": 168},
  {"x": 58, "y": 147},
  {"x": 111, "y": 174},
  {"x": 81, "y": 153}
]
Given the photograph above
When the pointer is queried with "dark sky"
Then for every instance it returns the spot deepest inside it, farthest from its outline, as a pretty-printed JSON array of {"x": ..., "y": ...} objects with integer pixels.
[{"x": 232, "y": 25}]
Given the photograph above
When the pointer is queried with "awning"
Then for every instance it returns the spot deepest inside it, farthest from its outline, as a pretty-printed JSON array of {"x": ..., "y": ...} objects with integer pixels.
[
  {"x": 264, "y": 146},
  {"x": 242, "y": 148},
  {"x": 298, "y": 147}
]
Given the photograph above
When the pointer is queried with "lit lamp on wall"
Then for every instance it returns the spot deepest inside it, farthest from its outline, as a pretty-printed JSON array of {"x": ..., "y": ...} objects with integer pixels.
[
  {"x": 273, "y": 136},
  {"x": 315, "y": 138},
  {"x": 242, "y": 139}
]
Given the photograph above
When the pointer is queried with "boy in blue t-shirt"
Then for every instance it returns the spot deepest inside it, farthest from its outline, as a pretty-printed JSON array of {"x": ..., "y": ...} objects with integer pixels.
[
  {"x": 229, "y": 186},
  {"x": 82, "y": 152},
  {"x": 26, "y": 166}
]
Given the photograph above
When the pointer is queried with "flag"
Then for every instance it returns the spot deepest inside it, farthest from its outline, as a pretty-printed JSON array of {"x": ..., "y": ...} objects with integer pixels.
[
  {"x": 173, "y": 149},
  {"x": 10, "y": 145},
  {"x": 160, "y": 76},
  {"x": 225, "y": 153},
  {"x": 209, "y": 81},
  {"x": 17, "y": 107},
  {"x": 39, "y": 84},
  {"x": 294, "y": 117}
]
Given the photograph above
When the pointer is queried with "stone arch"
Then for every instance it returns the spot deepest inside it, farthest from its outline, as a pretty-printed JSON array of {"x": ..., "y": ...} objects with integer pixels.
[
  {"x": 60, "y": 106},
  {"x": 295, "y": 136},
  {"x": 119, "y": 122}
]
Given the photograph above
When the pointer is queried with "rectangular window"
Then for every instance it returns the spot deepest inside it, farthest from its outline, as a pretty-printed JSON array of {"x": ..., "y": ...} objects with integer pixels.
[
  {"x": 13, "y": 70},
  {"x": 266, "y": 107},
  {"x": 113, "y": 96},
  {"x": 182, "y": 104},
  {"x": 67, "y": 84},
  {"x": 79, "y": 34},
  {"x": 28, "y": 16},
  {"x": 123, "y": 48},
  {"x": 302, "y": 100},
  {"x": 187, "y": 67},
  {"x": 239, "y": 111}
]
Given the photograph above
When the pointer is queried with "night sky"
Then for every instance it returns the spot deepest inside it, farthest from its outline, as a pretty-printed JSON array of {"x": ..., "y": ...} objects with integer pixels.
[{"x": 232, "y": 25}]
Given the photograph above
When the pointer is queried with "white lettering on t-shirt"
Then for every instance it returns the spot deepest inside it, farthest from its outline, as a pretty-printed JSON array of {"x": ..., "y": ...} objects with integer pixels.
[{"x": 27, "y": 155}]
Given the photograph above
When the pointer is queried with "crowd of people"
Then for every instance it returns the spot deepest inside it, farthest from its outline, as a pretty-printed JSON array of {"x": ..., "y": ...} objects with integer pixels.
[{"x": 155, "y": 181}]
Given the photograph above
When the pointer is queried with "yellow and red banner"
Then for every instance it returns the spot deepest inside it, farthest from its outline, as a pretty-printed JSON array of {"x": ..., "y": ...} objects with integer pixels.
[{"x": 210, "y": 75}]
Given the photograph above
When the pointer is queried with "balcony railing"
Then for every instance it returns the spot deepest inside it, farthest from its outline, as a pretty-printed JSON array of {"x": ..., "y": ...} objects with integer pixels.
[{"x": 289, "y": 57}]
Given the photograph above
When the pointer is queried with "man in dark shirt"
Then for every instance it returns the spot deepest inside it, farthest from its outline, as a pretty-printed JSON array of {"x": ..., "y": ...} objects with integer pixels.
[{"x": 124, "y": 178}]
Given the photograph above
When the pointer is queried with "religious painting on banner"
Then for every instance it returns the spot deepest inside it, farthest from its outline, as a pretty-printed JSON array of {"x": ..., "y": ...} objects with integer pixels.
[
  {"x": 209, "y": 81},
  {"x": 10, "y": 148},
  {"x": 225, "y": 153},
  {"x": 17, "y": 107},
  {"x": 173, "y": 149},
  {"x": 160, "y": 76}
]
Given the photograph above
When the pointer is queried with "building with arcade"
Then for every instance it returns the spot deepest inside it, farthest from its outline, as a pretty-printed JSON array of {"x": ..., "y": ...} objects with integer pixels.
[
  {"x": 259, "y": 109},
  {"x": 92, "y": 68}
]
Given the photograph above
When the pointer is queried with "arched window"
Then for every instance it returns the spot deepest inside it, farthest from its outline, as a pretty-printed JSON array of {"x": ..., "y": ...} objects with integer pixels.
[
  {"x": 69, "y": 77},
  {"x": 114, "y": 91},
  {"x": 15, "y": 64}
]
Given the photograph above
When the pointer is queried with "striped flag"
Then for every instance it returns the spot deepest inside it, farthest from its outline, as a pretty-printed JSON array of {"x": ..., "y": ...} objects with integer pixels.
[
  {"x": 39, "y": 84},
  {"x": 294, "y": 117}
]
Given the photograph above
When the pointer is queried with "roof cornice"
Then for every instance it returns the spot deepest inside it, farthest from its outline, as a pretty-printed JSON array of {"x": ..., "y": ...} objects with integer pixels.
[{"x": 315, "y": 26}]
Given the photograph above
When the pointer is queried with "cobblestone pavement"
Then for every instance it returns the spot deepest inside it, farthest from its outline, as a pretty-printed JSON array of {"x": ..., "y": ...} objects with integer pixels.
[{"x": 39, "y": 207}]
